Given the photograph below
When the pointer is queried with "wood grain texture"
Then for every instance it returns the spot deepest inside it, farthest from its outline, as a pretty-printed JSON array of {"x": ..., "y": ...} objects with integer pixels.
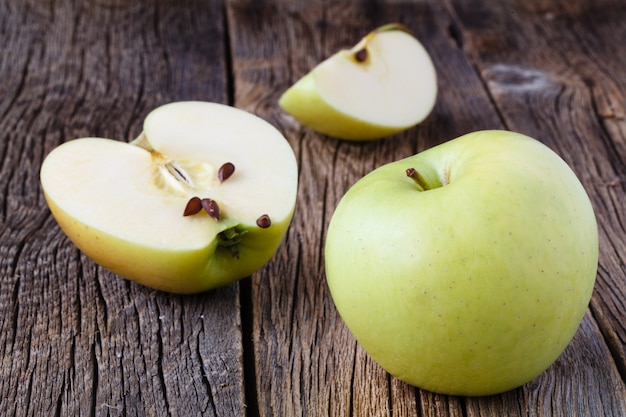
[
  {"x": 306, "y": 361},
  {"x": 77, "y": 340}
]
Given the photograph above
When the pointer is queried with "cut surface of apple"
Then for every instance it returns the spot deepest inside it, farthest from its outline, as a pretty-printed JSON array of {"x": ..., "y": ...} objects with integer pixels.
[
  {"x": 385, "y": 84},
  {"x": 123, "y": 204}
]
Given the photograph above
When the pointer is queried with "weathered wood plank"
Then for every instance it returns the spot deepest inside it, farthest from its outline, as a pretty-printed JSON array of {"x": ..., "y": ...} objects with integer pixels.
[{"x": 75, "y": 339}]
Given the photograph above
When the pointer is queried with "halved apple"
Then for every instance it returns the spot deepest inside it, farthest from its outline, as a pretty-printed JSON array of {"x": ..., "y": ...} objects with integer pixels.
[
  {"x": 201, "y": 198},
  {"x": 385, "y": 84}
]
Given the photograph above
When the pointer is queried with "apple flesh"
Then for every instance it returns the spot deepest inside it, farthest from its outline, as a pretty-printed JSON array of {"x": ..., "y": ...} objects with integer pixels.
[
  {"x": 383, "y": 85},
  {"x": 465, "y": 269},
  {"x": 126, "y": 205}
]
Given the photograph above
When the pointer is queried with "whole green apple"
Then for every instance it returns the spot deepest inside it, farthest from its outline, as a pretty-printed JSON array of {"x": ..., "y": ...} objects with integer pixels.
[{"x": 465, "y": 269}]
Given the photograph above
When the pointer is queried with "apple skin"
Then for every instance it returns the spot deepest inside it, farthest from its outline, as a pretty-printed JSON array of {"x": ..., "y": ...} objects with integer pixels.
[
  {"x": 188, "y": 271},
  {"x": 474, "y": 287}
]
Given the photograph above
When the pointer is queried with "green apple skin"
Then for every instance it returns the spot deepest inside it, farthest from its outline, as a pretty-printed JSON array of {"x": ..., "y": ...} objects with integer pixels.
[
  {"x": 475, "y": 285},
  {"x": 183, "y": 271},
  {"x": 304, "y": 103}
]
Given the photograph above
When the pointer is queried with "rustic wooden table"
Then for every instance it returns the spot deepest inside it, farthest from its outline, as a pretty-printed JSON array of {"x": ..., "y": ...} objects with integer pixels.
[{"x": 75, "y": 340}]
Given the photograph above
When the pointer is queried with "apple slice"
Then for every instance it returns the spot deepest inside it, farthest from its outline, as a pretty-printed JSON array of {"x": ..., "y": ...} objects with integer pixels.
[
  {"x": 385, "y": 84},
  {"x": 201, "y": 198}
]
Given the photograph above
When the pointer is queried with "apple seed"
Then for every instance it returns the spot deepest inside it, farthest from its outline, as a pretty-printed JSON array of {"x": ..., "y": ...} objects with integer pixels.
[
  {"x": 211, "y": 207},
  {"x": 194, "y": 205},
  {"x": 225, "y": 171},
  {"x": 264, "y": 221},
  {"x": 361, "y": 55}
]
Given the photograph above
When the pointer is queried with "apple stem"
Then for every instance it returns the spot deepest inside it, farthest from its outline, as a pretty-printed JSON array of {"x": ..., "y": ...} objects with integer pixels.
[{"x": 417, "y": 177}]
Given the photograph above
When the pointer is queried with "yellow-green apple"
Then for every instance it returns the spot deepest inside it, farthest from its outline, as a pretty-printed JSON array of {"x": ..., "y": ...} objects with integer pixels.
[
  {"x": 385, "y": 84},
  {"x": 465, "y": 269},
  {"x": 201, "y": 198}
]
